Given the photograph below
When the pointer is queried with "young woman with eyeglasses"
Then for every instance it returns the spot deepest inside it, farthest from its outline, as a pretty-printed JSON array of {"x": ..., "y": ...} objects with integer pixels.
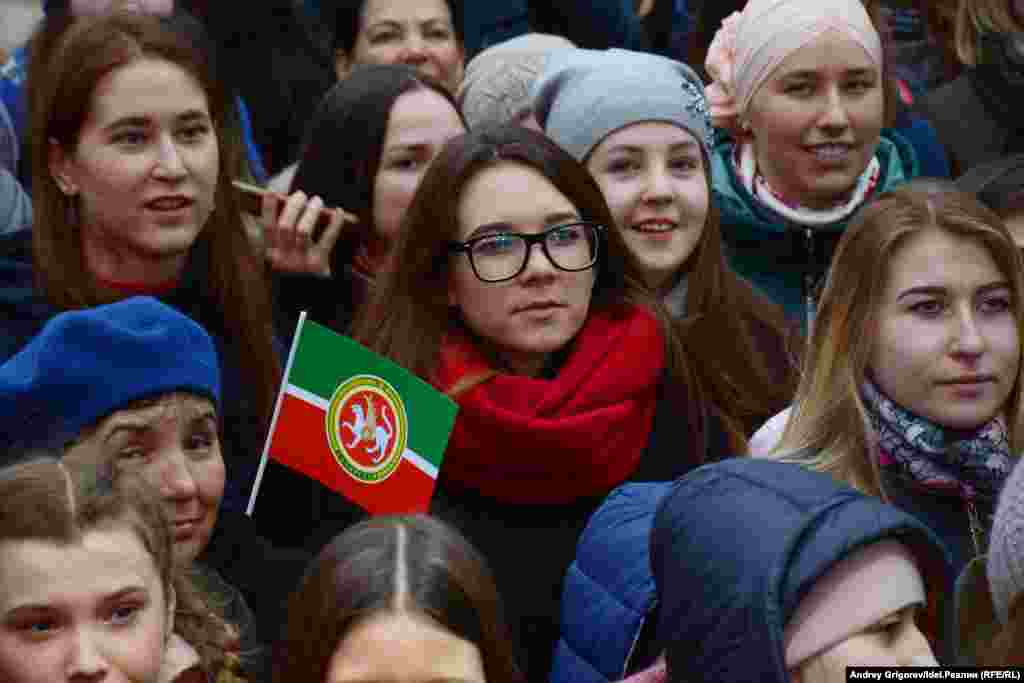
[{"x": 511, "y": 293}]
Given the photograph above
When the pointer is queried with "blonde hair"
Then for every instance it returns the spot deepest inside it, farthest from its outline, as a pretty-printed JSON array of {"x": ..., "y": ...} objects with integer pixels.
[
  {"x": 829, "y": 430},
  {"x": 974, "y": 18}
]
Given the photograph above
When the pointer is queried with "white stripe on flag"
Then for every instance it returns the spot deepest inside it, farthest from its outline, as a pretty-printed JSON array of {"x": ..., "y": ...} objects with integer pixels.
[
  {"x": 421, "y": 463},
  {"x": 413, "y": 457},
  {"x": 308, "y": 397}
]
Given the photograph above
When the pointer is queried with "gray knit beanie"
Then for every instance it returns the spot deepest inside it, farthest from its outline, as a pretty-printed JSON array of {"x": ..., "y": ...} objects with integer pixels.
[
  {"x": 1006, "y": 546},
  {"x": 496, "y": 86},
  {"x": 585, "y": 95}
]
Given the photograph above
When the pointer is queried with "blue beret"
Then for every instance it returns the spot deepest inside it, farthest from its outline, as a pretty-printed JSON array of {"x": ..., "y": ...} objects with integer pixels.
[{"x": 86, "y": 364}]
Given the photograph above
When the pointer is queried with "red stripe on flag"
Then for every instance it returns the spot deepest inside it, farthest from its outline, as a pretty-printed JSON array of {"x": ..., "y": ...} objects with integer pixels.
[{"x": 300, "y": 442}]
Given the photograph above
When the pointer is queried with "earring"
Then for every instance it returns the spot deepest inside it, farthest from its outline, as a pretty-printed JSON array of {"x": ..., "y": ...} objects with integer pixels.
[{"x": 64, "y": 186}]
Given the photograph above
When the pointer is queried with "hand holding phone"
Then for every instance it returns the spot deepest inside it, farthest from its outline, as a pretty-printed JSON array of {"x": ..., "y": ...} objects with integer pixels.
[
  {"x": 299, "y": 232},
  {"x": 250, "y": 197}
]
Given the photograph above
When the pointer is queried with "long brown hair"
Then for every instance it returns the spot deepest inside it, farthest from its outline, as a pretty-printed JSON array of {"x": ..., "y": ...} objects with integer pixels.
[
  {"x": 829, "y": 429},
  {"x": 344, "y": 141},
  {"x": 40, "y": 499},
  {"x": 740, "y": 377},
  {"x": 409, "y": 315},
  {"x": 69, "y": 58},
  {"x": 413, "y": 564}
]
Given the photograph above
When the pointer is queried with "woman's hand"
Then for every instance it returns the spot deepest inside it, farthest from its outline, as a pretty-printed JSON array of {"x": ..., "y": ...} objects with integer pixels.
[{"x": 289, "y": 232}]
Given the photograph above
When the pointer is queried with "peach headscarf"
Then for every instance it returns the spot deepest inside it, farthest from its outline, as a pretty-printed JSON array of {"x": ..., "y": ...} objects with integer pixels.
[{"x": 752, "y": 43}]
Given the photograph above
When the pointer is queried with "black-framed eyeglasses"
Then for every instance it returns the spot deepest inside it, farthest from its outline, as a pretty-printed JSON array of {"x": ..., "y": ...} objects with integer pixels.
[{"x": 500, "y": 256}]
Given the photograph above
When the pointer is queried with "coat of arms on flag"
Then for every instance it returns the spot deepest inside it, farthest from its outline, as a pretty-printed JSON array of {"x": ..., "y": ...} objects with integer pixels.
[{"x": 358, "y": 424}]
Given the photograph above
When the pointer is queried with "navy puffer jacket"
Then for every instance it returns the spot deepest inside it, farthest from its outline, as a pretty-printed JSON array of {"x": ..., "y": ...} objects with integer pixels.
[
  {"x": 755, "y": 536},
  {"x": 736, "y": 545},
  {"x": 608, "y": 591}
]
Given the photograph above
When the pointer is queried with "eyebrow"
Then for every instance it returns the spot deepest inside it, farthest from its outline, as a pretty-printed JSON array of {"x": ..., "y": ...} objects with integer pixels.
[
  {"x": 384, "y": 23},
  {"x": 550, "y": 219},
  {"x": 812, "y": 74},
  {"x": 125, "y": 592},
  {"x": 936, "y": 290},
  {"x": 688, "y": 145},
  {"x": 141, "y": 121},
  {"x": 112, "y": 597},
  {"x": 394, "y": 23},
  {"x": 129, "y": 122},
  {"x": 407, "y": 147},
  {"x": 127, "y": 424},
  {"x": 135, "y": 427},
  {"x": 192, "y": 115}
]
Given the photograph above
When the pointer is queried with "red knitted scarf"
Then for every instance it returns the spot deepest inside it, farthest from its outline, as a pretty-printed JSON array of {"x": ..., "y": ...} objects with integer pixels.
[{"x": 549, "y": 441}]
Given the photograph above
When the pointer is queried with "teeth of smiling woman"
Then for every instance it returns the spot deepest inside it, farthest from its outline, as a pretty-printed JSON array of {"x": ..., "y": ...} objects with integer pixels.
[
  {"x": 654, "y": 226},
  {"x": 168, "y": 205},
  {"x": 831, "y": 152}
]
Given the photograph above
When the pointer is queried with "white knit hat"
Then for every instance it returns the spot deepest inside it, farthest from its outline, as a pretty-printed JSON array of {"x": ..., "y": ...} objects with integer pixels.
[
  {"x": 1006, "y": 546},
  {"x": 585, "y": 95},
  {"x": 496, "y": 87}
]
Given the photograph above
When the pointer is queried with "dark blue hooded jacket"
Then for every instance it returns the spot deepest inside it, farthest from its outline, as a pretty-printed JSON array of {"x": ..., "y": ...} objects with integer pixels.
[
  {"x": 718, "y": 561},
  {"x": 735, "y": 547},
  {"x": 609, "y": 590}
]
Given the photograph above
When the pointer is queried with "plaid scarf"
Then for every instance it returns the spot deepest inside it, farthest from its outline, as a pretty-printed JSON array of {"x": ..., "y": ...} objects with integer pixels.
[{"x": 971, "y": 464}]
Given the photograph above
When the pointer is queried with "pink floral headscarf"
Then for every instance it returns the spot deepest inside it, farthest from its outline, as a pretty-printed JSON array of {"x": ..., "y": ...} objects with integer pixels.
[{"x": 752, "y": 43}]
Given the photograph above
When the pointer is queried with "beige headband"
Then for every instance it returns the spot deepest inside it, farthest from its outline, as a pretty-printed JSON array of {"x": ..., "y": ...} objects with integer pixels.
[{"x": 752, "y": 43}]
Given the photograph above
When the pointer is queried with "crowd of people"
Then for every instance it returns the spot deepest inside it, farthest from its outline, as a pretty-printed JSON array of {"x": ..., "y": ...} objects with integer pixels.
[{"x": 730, "y": 297}]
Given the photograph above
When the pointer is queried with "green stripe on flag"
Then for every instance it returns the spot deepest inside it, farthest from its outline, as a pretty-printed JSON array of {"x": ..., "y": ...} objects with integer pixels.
[{"x": 325, "y": 359}]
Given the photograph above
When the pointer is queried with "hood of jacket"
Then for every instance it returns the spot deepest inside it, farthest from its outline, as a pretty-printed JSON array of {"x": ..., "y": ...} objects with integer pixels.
[
  {"x": 736, "y": 545},
  {"x": 608, "y": 591}
]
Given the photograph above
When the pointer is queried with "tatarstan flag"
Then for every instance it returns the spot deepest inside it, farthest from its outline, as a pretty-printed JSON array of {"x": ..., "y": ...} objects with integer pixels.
[{"x": 358, "y": 424}]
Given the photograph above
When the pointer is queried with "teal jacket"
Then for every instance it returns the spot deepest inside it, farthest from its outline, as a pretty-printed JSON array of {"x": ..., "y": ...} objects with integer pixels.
[{"x": 777, "y": 256}]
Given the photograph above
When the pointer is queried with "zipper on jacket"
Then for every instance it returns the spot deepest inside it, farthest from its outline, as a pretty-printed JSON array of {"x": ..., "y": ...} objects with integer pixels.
[
  {"x": 810, "y": 281},
  {"x": 977, "y": 533}
]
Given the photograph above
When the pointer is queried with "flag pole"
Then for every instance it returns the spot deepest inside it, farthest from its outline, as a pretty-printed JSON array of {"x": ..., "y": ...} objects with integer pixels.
[{"x": 277, "y": 409}]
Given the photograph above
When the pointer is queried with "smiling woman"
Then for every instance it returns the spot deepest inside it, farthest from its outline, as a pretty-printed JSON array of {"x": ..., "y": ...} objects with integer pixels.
[
  {"x": 646, "y": 141},
  {"x": 798, "y": 85},
  {"x": 911, "y": 388},
  {"x": 426, "y": 34}
]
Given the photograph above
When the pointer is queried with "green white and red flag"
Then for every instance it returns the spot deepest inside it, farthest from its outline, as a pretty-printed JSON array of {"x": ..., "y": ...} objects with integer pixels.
[{"x": 358, "y": 424}]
